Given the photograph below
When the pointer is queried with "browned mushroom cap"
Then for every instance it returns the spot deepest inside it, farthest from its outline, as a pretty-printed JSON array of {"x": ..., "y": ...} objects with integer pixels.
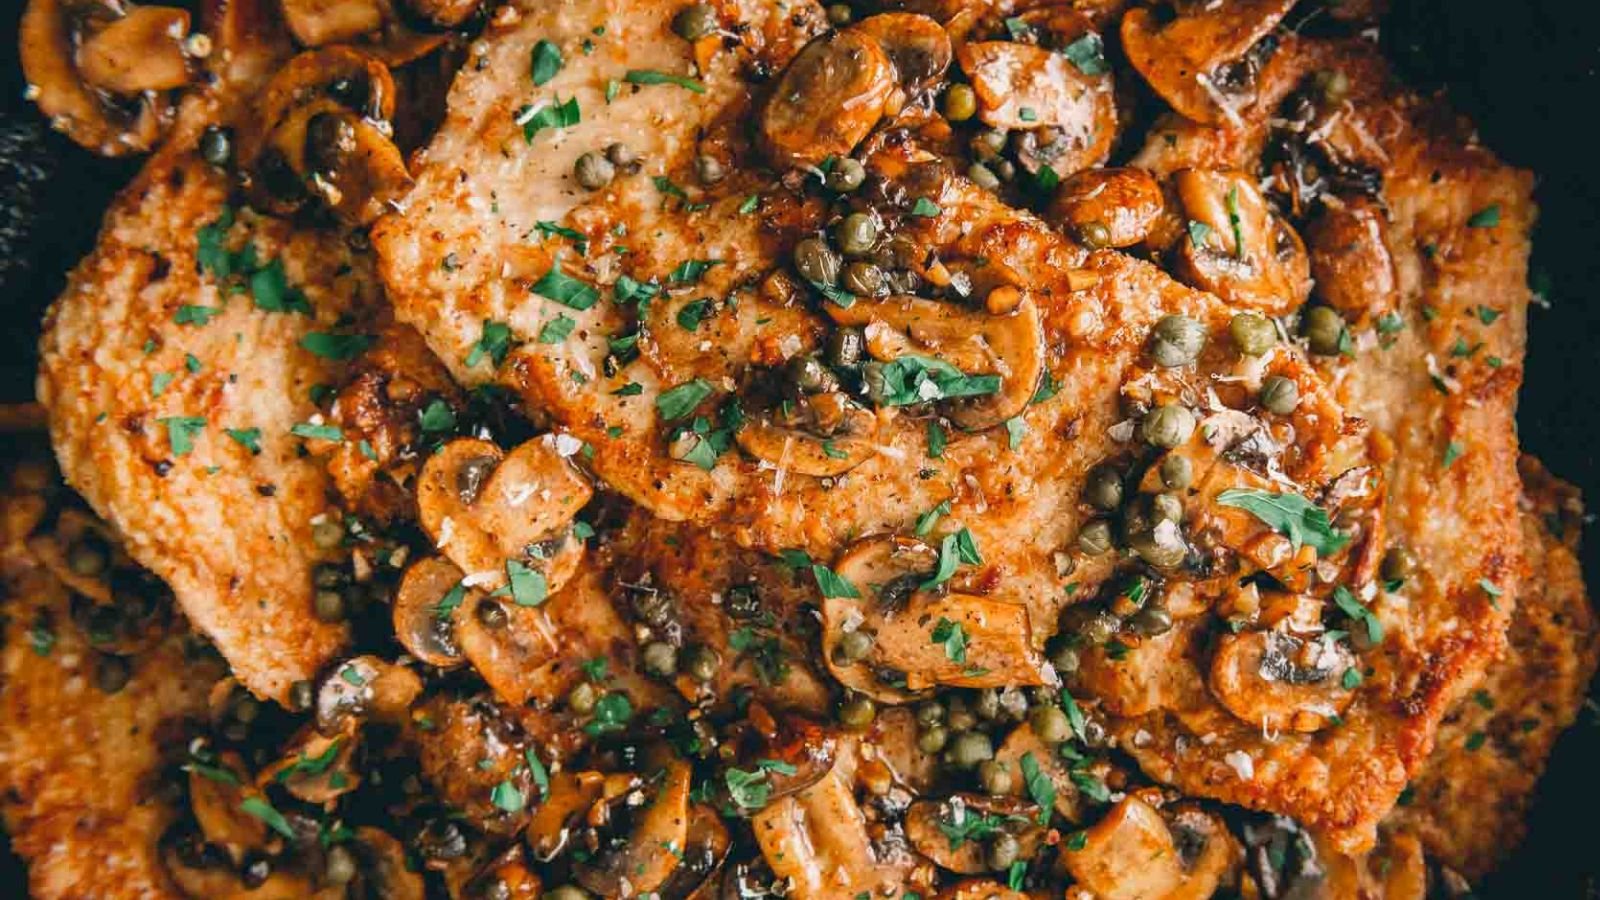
[
  {"x": 658, "y": 830},
  {"x": 1194, "y": 61},
  {"x": 1133, "y": 853},
  {"x": 203, "y": 877},
  {"x": 364, "y": 687},
  {"x": 98, "y": 73},
  {"x": 425, "y": 604},
  {"x": 804, "y": 750},
  {"x": 1107, "y": 207},
  {"x": 514, "y": 648},
  {"x": 348, "y": 163},
  {"x": 822, "y": 435},
  {"x": 893, "y": 739},
  {"x": 1020, "y": 86},
  {"x": 314, "y": 767},
  {"x": 1350, "y": 260},
  {"x": 488, "y": 511},
  {"x": 1008, "y": 344},
  {"x": 930, "y": 825},
  {"x": 378, "y": 27},
  {"x": 901, "y": 616},
  {"x": 571, "y": 795},
  {"x": 383, "y": 871},
  {"x": 441, "y": 13},
  {"x": 1022, "y": 741},
  {"x": 315, "y": 23},
  {"x": 1279, "y": 682},
  {"x": 916, "y": 45},
  {"x": 703, "y": 856},
  {"x": 828, "y": 99},
  {"x": 217, "y": 795},
  {"x": 1245, "y": 254}
]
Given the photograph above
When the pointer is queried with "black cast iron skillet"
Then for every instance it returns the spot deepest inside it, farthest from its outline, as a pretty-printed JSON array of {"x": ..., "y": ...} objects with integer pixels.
[{"x": 1526, "y": 71}]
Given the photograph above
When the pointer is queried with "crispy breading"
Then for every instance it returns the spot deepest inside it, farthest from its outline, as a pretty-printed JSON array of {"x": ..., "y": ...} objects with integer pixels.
[{"x": 81, "y": 770}]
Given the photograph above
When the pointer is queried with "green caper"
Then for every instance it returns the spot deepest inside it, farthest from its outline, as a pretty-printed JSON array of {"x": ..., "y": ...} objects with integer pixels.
[
  {"x": 846, "y": 347},
  {"x": 660, "y": 659},
  {"x": 1253, "y": 334},
  {"x": 1323, "y": 328},
  {"x": 933, "y": 738},
  {"x": 621, "y": 155},
  {"x": 301, "y": 695},
  {"x": 857, "y": 233},
  {"x": 983, "y": 176},
  {"x": 960, "y": 102},
  {"x": 1094, "y": 235},
  {"x": 1005, "y": 170},
  {"x": 987, "y": 144},
  {"x": 1150, "y": 621},
  {"x": 810, "y": 376},
  {"x": 930, "y": 714},
  {"x": 491, "y": 614},
  {"x": 1398, "y": 563},
  {"x": 327, "y": 533},
  {"x": 709, "y": 169},
  {"x": 1177, "y": 341},
  {"x": 1166, "y": 508},
  {"x": 1063, "y": 656},
  {"x": 857, "y": 712},
  {"x": 340, "y": 865},
  {"x": 1103, "y": 489},
  {"x": 330, "y": 142},
  {"x": 853, "y": 646},
  {"x": 88, "y": 556},
  {"x": 987, "y": 704},
  {"x": 994, "y": 777},
  {"x": 1167, "y": 426},
  {"x": 969, "y": 748},
  {"x": 846, "y": 175},
  {"x": 1050, "y": 723},
  {"x": 1099, "y": 628},
  {"x": 567, "y": 892},
  {"x": 1094, "y": 538},
  {"x": 582, "y": 698},
  {"x": 816, "y": 261},
  {"x": 694, "y": 21},
  {"x": 1279, "y": 394},
  {"x": 701, "y": 662},
  {"x": 1003, "y": 851},
  {"x": 958, "y": 716},
  {"x": 329, "y": 606},
  {"x": 1160, "y": 547},
  {"x": 216, "y": 145},
  {"x": 111, "y": 673},
  {"x": 1176, "y": 472},
  {"x": 593, "y": 171},
  {"x": 863, "y": 279},
  {"x": 839, "y": 14}
]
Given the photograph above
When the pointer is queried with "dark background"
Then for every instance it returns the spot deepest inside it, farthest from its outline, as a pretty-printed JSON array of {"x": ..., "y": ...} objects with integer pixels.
[{"x": 1527, "y": 72}]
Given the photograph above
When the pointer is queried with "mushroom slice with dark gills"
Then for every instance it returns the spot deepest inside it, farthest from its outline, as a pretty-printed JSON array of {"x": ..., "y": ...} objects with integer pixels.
[
  {"x": 1281, "y": 681},
  {"x": 1139, "y": 853},
  {"x": 1235, "y": 246},
  {"x": 102, "y": 71},
  {"x": 821, "y": 432},
  {"x": 1108, "y": 207},
  {"x": 424, "y": 611},
  {"x": 505, "y": 517},
  {"x": 957, "y": 832},
  {"x": 1350, "y": 259},
  {"x": 315, "y": 767},
  {"x": 362, "y": 688},
  {"x": 472, "y": 752},
  {"x": 918, "y": 631},
  {"x": 1204, "y": 61},
  {"x": 636, "y": 841}
]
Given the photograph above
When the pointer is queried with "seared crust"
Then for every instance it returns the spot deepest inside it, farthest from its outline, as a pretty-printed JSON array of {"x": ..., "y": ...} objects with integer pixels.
[
  {"x": 144, "y": 341},
  {"x": 81, "y": 770}
]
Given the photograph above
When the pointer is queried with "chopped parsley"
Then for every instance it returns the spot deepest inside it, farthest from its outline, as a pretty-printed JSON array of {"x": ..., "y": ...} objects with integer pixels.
[
  {"x": 1291, "y": 515},
  {"x": 317, "y": 432},
  {"x": 551, "y": 115},
  {"x": 1488, "y": 217},
  {"x": 528, "y": 586},
  {"x": 1040, "y": 787},
  {"x": 611, "y": 713},
  {"x": 248, "y": 438},
  {"x": 506, "y": 797},
  {"x": 953, "y": 637},
  {"x": 911, "y": 379},
  {"x": 1452, "y": 452},
  {"x": 680, "y": 401},
  {"x": 556, "y": 330},
  {"x": 690, "y": 270},
  {"x": 546, "y": 62},
  {"x": 261, "y": 809},
  {"x": 831, "y": 584},
  {"x": 494, "y": 342},
  {"x": 1350, "y": 606},
  {"x": 751, "y": 789},
  {"x": 564, "y": 289},
  {"x": 1088, "y": 54},
  {"x": 437, "y": 416},
  {"x": 925, "y": 208},
  {"x": 181, "y": 432},
  {"x": 336, "y": 346},
  {"x": 651, "y": 76}
]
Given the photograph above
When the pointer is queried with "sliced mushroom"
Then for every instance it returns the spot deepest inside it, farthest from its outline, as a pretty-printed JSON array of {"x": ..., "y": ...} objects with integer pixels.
[
  {"x": 571, "y": 795},
  {"x": 822, "y": 435},
  {"x": 1246, "y": 254},
  {"x": 901, "y": 617},
  {"x": 518, "y": 650},
  {"x": 351, "y": 165},
  {"x": 1009, "y": 344},
  {"x": 955, "y": 832},
  {"x": 471, "y": 751},
  {"x": 199, "y": 875},
  {"x": 315, "y": 767},
  {"x": 486, "y": 509},
  {"x": 1198, "y": 62},
  {"x": 829, "y": 98},
  {"x": 99, "y": 73},
  {"x": 425, "y": 604},
  {"x": 1108, "y": 207},
  {"x": 1278, "y": 681},
  {"x": 917, "y": 46},
  {"x": 1350, "y": 259},
  {"x": 315, "y": 23},
  {"x": 384, "y": 872},
  {"x": 818, "y": 839},
  {"x": 893, "y": 742},
  {"x": 1020, "y": 86},
  {"x": 1022, "y": 741},
  {"x": 805, "y": 750},
  {"x": 702, "y": 858},
  {"x": 1133, "y": 854},
  {"x": 657, "y": 828},
  {"x": 365, "y": 687},
  {"x": 217, "y": 794}
]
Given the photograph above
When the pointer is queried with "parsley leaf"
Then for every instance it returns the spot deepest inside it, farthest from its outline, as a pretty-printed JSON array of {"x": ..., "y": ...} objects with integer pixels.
[
  {"x": 270, "y": 289},
  {"x": 507, "y": 797},
  {"x": 556, "y": 330},
  {"x": 651, "y": 76},
  {"x": 317, "y": 432},
  {"x": 911, "y": 379},
  {"x": 680, "y": 401},
  {"x": 551, "y": 115},
  {"x": 494, "y": 342},
  {"x": 564, "y": 289},
  {"x": 1088, "y": 54},
  {"x": 181, "y": 431},
  {"x": 953, "y": 637},
  {"x": 248, "y": 438},
  {"x": 611, "y": 713},
  {"x": 1040, "y": 787},
  {"x": 437, "y": 416},
  {"x": 261, "y": 809},
  {"x": 1488, "y": 217},
  {"x": 1350, "y": 606},
  {"x": 336, "y": 346},
  {"x": 831, "y": 584},
  {"x": 1291, "y": 515},
  {"x": 690, "y": 270},
  {"x": 546, "y": 62},
  {"x": 528, "y": 586},
  {"x": 925, "y": 208}
]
